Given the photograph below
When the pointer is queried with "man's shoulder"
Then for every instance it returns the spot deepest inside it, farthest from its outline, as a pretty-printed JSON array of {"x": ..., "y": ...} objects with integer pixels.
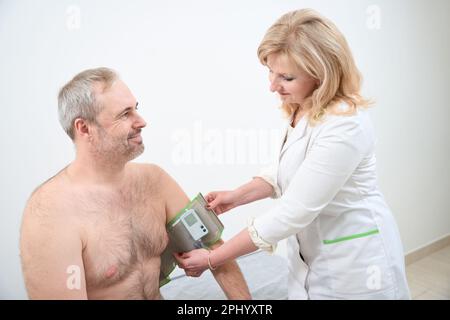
[
  {"x": 46, "y": 200},
  {"x": 145, "y": 166},
  {"x": 150, "y": 171},
  {"x": 49, "y": 214}
]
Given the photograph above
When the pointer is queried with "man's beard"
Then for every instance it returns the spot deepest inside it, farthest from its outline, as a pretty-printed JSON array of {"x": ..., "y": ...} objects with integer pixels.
[{"x": 114, "y": 149}]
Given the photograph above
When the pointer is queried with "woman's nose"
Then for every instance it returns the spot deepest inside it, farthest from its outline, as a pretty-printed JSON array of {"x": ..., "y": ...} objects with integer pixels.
[{"x": 274, "y": 86}]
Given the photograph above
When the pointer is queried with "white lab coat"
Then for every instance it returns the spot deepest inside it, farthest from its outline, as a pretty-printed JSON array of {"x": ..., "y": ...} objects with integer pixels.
[{"x": 331, "y": 211}]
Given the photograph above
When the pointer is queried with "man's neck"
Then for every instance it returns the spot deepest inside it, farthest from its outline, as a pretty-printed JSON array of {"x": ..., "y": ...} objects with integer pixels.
[{"x": 95, "y": 170}]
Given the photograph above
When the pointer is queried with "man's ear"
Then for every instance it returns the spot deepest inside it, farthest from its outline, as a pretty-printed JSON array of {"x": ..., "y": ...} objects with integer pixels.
[{"x": 81, "y": 128}]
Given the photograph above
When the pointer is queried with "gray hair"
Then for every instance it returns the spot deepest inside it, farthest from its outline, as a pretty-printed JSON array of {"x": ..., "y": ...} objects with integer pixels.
[{"x": 77, "y": 98}]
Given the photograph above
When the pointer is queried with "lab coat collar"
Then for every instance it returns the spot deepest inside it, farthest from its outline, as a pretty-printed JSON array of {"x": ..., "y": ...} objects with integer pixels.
[{"x": 297, "y": 133}]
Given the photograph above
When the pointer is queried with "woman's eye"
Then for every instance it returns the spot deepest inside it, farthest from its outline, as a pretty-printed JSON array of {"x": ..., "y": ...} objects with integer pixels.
[{"x": 288, "y": 79}]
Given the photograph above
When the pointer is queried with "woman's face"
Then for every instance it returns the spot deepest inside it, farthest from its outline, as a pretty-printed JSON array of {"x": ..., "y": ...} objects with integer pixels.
[{"x": 292, "y": 84}]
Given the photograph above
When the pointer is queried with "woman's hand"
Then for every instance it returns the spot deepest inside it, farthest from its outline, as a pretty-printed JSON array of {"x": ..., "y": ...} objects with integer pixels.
[
  {"x": 221, "y": 201},
  {"x": 193, "y": 262}
]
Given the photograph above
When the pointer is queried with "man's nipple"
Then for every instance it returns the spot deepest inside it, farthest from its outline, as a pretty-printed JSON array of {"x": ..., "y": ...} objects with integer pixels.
[{"x": 111, "y": 272}]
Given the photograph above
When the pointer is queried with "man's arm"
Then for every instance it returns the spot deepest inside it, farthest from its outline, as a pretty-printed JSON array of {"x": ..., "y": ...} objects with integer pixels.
[
  {"x": 51, "y": 253},
  {"x": 228, "y": 276},
  {"x": 230, "y": 279}
]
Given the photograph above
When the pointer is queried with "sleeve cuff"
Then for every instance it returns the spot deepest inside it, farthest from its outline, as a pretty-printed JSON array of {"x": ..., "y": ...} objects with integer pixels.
[{"x": 257, "y": 240}]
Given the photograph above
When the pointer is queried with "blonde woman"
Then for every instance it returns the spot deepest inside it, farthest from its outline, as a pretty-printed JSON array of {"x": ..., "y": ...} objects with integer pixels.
[{"x": 342, "y": 240}]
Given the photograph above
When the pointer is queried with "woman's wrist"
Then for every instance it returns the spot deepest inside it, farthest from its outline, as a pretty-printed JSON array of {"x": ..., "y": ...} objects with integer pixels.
[
  {"x": 212, "y": 260},
  {"x": 210, "y": 264}
]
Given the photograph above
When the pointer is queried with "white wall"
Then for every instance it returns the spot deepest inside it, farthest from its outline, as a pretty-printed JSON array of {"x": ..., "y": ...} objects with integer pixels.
[{"x": 193, "y": 67}]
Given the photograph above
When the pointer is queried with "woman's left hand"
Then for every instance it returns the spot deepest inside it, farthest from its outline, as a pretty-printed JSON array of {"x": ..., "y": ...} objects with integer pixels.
[{"x": 193, "y": 262}]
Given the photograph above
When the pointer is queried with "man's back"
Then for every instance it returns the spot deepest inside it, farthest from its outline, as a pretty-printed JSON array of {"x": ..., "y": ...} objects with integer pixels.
[{"x": 111, "y": 237}]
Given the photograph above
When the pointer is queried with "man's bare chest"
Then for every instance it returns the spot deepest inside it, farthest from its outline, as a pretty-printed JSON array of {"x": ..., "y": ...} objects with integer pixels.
[{"x": 124, "y": 234}]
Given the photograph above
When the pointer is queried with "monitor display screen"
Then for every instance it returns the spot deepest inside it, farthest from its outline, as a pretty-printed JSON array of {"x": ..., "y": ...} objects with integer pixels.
[{"x": 190, "y": 219}]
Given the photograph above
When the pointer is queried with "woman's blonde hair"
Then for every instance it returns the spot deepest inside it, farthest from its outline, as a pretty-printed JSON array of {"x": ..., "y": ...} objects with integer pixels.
[{"x": 316, "y": 46}]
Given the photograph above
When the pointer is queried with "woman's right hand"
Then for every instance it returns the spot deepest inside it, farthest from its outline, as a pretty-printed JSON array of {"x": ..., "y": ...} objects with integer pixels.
[{"x": 221, "y": 201}]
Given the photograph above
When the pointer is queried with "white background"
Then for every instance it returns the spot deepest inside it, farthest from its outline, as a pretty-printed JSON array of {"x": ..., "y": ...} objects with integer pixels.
[{"x": 193, "y": 67}]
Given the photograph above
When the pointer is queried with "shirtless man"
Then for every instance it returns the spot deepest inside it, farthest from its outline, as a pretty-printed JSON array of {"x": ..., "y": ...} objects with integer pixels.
[{"x": 96, "y": 230}]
